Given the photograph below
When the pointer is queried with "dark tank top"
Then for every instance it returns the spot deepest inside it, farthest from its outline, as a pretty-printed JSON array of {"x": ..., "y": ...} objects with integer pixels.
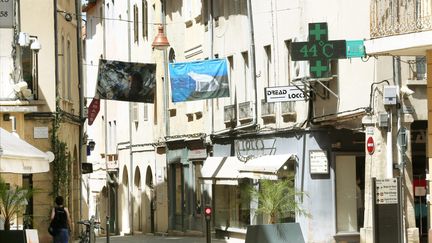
[{"x": 60, "y": 218}]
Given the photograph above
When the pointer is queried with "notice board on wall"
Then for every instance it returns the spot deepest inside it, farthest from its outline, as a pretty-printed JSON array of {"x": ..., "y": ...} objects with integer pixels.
[{"x": 386, "y": 210}]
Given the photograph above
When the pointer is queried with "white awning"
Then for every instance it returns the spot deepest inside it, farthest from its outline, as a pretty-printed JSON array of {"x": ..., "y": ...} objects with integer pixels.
[
  {"x": 221, "y": 170},
  {"x": 19, "y": 157},
  {"x": 265, "y": 167}
]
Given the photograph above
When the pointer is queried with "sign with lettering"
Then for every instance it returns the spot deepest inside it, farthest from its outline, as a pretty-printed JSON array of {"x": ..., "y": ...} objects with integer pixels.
[
  {"x": 283, "y": 93},
  {"x": 386, "y": 191},
  {"x": 254, "y": 147},
  {"x": 6, "y": 13},
  {"x": 318, "y": 162},
  {"x": 318, "y": 50}
]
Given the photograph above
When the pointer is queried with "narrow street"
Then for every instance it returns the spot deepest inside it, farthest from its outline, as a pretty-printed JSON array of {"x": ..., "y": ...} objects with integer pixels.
[{"x": 163, "y": 239}]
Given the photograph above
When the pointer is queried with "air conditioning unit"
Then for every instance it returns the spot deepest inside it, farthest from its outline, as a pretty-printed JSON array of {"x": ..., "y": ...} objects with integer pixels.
[
  {"x": 245, "y": 112},
  {"x": 229, "y": 114},
  {"x": 267, "y": 110}
]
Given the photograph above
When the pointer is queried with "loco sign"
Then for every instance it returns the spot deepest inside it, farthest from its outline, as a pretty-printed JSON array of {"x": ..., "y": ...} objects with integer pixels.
[{"x": 283, "y": 93}]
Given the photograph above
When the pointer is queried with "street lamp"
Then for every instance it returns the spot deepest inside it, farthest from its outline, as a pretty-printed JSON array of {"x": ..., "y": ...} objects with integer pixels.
[{"x": 160, "y": 42}]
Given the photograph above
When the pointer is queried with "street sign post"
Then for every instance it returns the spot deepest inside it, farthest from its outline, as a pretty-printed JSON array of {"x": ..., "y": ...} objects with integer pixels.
[
  {"x": 318, "y": 50},
  {"x": 207, "y": 214}
]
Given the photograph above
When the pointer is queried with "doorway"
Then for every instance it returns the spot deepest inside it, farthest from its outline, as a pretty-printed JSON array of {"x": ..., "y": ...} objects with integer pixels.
[{"x": 420, "y": 166}]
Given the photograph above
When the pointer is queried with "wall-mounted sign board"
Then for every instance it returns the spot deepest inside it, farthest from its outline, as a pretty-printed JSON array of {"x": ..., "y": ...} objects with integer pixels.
[{"x": 318, "y": 162}]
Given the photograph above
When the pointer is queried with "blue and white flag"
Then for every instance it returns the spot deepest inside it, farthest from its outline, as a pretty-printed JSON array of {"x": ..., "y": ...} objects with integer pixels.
[{"x": 199, "y": 80}]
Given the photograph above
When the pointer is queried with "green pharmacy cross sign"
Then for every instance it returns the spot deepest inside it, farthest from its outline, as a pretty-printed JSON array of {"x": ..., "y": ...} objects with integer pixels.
[{"x": 318, "y": 50}]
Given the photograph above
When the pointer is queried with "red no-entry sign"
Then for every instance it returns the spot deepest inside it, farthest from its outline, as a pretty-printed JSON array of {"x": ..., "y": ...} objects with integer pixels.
[{"x": 370, "y": 145}]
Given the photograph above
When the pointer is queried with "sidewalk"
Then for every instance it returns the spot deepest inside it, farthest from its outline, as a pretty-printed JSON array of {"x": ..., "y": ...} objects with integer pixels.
[{"x": 163, "y": 239}]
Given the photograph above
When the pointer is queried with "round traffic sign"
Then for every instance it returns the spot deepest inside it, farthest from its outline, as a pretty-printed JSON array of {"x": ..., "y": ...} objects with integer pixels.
[
  {"x": 370, "y": 145},
  {"x": 207, "y": 211}
]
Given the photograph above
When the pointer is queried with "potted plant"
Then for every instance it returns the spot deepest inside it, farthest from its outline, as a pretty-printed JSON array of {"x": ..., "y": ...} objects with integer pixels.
[
  {"x": 13, "y": 201},
  {"x": 277, "y": 201}
]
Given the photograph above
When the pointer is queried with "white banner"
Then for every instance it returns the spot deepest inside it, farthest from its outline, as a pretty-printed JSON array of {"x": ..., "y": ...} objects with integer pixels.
[
  {"x": 284, "y": 93},
  {"x": 6, "y": 14}
]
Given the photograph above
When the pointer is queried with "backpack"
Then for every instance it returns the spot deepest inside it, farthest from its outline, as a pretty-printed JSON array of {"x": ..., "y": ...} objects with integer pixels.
[{"x": 51, "y": 228}]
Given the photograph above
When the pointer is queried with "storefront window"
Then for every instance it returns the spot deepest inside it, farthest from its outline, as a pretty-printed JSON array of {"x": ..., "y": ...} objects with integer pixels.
[
  {"x": 349, "y": 193},
  {"x": 232, "y": 208}
]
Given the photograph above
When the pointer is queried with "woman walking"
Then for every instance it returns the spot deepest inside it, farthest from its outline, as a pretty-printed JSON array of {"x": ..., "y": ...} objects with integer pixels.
[{"x": 62, "y": 219}]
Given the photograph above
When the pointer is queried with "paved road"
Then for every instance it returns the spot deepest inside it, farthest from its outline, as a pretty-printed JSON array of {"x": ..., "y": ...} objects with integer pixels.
[{"x": 163, "y": 239}]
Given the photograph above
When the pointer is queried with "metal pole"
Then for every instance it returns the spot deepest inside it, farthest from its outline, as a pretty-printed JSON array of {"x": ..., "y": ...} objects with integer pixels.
[
  {"x": 131, "y": 214},
  {"x": 389, "y": 164},
  {"x": 107, "y": 175},
  {"x": 208, "y": 237},
  {"x": 107, "y": 230},
  {"x": 81, "y": 98},
  {"x": 252, "y": 59}
]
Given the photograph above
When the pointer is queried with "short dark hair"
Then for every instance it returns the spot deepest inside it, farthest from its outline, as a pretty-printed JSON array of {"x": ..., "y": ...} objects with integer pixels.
[{"x": 59, "y": 200}]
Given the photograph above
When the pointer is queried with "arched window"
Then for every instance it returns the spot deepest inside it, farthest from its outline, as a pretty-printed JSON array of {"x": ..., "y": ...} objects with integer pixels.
[
  {"x": 171, "y": 55},
  {"x": 69, "y": 68}
]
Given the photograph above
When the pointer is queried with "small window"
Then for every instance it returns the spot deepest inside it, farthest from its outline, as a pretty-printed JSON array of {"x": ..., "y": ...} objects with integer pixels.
[
  {"x": 144, "y": 19},
  {"x": 231, "y": 73},
  {"x": 135, "y": 23},
  {"x": 268, "y": 65},
  {"x": 145, "y": 112},
  {"x": 288, "y": 64},
  {"x": 28, "y": 67},
  {"x": 69, "y": 70},
  {"x": 420, "y": 73}
]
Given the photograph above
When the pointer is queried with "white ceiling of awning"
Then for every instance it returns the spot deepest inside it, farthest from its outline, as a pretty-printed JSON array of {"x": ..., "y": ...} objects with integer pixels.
[
  {"x": 264, "y": 167},
  {"x": 18, "y": 156},
  {"x": 221, "y": 170}
]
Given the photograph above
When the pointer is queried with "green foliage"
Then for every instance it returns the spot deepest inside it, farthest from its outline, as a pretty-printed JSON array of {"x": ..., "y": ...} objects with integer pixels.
[
  {"x": 277, "y": 199},
  {"x": 61, "y": 164},
  {"x": 12, "y": 202}
]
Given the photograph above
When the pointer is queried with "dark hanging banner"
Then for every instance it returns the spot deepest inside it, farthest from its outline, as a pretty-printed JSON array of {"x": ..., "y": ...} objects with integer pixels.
[{"x": 126, "y": 81}]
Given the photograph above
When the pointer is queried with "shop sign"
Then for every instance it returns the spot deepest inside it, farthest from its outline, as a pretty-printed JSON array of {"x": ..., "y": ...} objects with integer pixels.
[
  {"x": 197, "y": 154},
  {"x": 283, "y": 94},
  {"x": 6, "y": 13},
  {"x": 253, "y": 147}
]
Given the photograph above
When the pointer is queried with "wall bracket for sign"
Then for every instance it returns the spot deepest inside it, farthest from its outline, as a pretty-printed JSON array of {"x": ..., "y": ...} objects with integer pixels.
[{"x": 307, "y": 82}]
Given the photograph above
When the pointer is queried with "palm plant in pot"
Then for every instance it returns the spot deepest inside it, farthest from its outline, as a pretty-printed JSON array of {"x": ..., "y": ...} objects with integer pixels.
[
  {"x": 277, "y": 200},
  {"x": 13, "y": 201}
]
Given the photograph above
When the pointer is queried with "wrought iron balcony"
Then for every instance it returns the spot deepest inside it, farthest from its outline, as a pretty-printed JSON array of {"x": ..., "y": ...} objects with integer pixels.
[{"x": 396, "y": 17}]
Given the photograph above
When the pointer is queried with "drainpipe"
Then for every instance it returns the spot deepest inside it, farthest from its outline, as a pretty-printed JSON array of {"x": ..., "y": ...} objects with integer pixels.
[
  {"x": 401, "y": 142},
  {"x": 253, "y": 203},
  {"x": 81, "y": 99},
  {"x": 107, "y": 185},
  {"x": 56, "y": 51},
  {"x": 211, "y": 33},
  {"x": 130, "y": 131},
  {"x": 171, "y": 209},
  {"x": 253, "y": 66},
  {"x": 252, "y": 73}
]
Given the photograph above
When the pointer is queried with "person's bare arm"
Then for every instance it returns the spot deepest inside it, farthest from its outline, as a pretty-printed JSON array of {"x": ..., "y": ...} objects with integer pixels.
[
  {"x": 52, "y": 213},
  {"x": 69, "y": 218}
]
